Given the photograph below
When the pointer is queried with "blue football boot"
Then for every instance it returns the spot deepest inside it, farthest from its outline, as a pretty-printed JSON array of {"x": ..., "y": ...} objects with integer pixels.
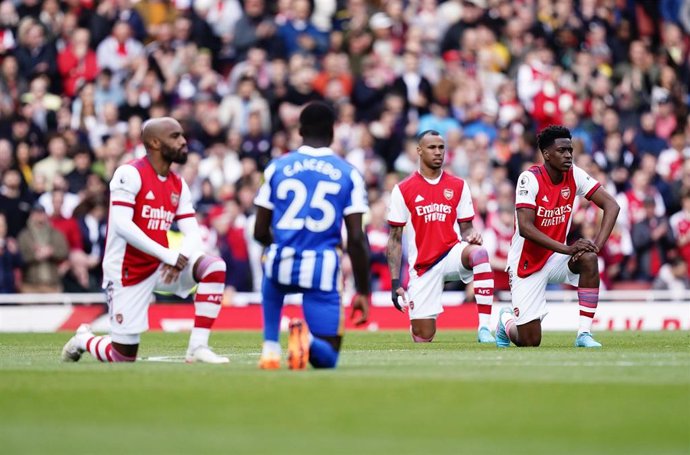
[
  {"x": 502, "y": 340},
  {"x": 484, "y": 336},
  {"x": 585, "y": 340}
]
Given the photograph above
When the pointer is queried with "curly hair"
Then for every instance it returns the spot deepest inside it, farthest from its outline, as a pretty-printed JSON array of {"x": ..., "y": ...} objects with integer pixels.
[{"x": 549, "y": 135}]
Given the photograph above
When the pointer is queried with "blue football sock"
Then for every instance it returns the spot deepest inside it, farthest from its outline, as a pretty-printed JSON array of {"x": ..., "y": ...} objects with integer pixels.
[
  {"x": 322, "y": 354},
  {"x": 272, "y": 306}
]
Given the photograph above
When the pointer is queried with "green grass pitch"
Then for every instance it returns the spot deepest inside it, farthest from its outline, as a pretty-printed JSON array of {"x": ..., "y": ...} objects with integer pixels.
[{"x": 388, "y": 395}]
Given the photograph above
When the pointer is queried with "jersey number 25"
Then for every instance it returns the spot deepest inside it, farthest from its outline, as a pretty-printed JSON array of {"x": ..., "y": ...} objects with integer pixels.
[{"x": 317, "y": 200}]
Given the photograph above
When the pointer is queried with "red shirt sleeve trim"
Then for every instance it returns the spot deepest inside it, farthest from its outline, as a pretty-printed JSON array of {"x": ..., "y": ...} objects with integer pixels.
[
  {"x": 396, "y": 224},
  {"x": 464, "y": 220},
  {"x": 591, "y": 192},
  {"x": 186, "y": 215},
  {"x": 525, "y": 206},
  {"x": 126, "y": 204}
]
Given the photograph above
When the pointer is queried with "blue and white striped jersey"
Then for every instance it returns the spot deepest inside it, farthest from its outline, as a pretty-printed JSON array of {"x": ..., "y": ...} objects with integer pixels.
[{"x": 310, "y": 191}]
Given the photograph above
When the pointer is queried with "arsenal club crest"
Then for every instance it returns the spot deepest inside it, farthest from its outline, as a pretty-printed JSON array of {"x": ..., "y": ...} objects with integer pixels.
[
  {"x": 565, "y": 192},
  {"x": 118, "y": 318},
  {"x": 516, "y": 311},
  {"x": 174, "y": 198},
  {"x": 448, "y": 193}
]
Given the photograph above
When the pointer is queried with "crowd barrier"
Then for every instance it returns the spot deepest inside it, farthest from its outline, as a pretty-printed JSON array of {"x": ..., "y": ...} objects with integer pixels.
[{"x": 618, "y": 310}]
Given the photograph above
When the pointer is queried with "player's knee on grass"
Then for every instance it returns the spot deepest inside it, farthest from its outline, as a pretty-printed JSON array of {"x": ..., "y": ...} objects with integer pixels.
[
  {"x": 423, "y": 330},
  {"x": 324, "y": 351},
  {"x": 528, "y": 337}
]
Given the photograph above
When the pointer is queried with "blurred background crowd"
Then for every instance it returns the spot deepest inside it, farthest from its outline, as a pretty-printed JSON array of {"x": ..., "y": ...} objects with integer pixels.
[{"x": 78, "y": 78}]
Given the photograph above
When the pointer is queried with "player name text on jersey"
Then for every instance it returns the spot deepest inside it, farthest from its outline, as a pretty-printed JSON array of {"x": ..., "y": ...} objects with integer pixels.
[{"x": 313, "y": 164}]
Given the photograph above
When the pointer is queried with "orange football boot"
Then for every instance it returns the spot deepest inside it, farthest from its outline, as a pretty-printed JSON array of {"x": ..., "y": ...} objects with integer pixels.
[{"x": 298, "y": 345}]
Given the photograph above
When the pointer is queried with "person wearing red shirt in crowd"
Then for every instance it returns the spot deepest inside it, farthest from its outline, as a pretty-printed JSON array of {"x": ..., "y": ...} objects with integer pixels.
[
  {"x": 497, "y": 238},
  {"x": 77, "y": 63},
  {"x": 539, "y": 255},
  {"x": 680, "y": 226}
]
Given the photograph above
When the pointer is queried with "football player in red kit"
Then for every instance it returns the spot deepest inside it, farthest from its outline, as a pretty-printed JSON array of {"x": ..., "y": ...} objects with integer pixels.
[{"x": 145, "y": 198}]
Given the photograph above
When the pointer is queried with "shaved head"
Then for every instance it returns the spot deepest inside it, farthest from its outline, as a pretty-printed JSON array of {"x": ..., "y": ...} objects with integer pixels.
[
  {"x": 164, "y": 137},
  {"x": 157, "y": 128}
]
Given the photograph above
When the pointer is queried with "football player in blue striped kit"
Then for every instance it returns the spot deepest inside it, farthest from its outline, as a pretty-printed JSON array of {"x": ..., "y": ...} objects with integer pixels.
[{"x": 305, "y": 197}]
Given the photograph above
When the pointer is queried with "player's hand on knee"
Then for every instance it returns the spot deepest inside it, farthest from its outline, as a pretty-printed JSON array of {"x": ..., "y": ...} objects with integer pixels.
[
  {"x": 170, "y": 274},
  {"x": 181, "y": 262},
  {"x": 399, "y": 296},
  {"x": 582, "y": 246},
  {"x": 474, "y": 238}
]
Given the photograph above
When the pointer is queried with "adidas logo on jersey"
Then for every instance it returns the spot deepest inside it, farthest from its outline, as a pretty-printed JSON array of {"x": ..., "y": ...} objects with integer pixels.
[
  {"x": 150, "y": 196},
  {"x": 419, "y": 198},
  {"x": 545, "y": 199}
]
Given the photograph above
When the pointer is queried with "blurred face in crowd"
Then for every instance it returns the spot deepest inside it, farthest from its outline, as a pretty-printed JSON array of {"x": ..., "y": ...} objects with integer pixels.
[
  {"x": 300, "y": 9},
  {"x": 122, "y": 31},
  {"x": 57, "y": 147},
  {"x": 254, "y": 8},
  {"x": 35, "y": 37}
]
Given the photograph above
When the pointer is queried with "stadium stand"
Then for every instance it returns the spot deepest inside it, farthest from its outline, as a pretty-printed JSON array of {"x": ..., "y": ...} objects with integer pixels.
[{"x": 78, "y": 77}]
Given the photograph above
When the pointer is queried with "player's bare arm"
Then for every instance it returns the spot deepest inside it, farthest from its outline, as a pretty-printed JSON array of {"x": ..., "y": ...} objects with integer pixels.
[
  {"x": 262, "y": 227},
  {"x": 611, "y": 209},
  {"x": 394, "y": 257},
  {"x": 358, "y": 250},
  {"x": 529, "y": 231},
  {"x": 469, "y": 235}
]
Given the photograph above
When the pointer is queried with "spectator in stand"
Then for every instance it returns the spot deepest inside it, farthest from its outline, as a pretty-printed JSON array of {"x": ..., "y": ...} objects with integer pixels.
[
  {"x": 77, "y": 63},
  {"x": 256, "y": 28},
  {"x": 234, "y": 111},
  {"x": 652, "y": 239},
  {"x": 646, "y": 139},
  {"x": 10, "y": 260},
  {"x": 75, "y": 270},
  {"x": 229, "y": 223},
  {"x": 631, "y": 201},
  {"x": 256, "y": 144},
  {"x": 670, "y": 163},
  {"x": 15, "y": 204},
  {"x": 120, "y": 52},
  {"x": 12, "y": 85},
  {"x": 57, "y": 161},
  {"x": 680, "y": 227},
  {"x": 299, "y": 34},
  {"x": 377, "y": 230},
  {"x": 673, "y": 276},
  {"x": 35, "y": 55},
  {"x": 42, "y": 249},
  {"x": 497, "y": 237},
  {"x": 8, "y": 26},
  {"x": 415, "y": 89}
]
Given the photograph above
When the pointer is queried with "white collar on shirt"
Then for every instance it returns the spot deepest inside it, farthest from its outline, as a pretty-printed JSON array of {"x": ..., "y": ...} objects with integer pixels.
[
  {"x": 434, "y": 181},
  {"x": 321, "y": 151}
]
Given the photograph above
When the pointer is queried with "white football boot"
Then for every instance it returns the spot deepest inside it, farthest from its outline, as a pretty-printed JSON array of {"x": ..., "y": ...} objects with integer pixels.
[
  {"x": 204, "y": 354},
  {"x": 73, "y": 349}
]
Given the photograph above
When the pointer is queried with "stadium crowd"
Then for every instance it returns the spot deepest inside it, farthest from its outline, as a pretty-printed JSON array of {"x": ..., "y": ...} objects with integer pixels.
[{"x": 78, "y": 78}]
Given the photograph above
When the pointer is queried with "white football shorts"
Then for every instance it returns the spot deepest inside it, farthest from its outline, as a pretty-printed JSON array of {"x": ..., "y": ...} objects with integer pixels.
[
  {"x": 529, "y": 293},
  {"x": 425, "y": 291},
  {"x": 128, "y": 305}
]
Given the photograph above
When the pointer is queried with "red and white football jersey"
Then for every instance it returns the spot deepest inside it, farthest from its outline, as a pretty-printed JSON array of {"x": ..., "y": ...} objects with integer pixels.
[
  {"x": 430, "y": 209},
  {"x": 157, "y": 201},
  {"x": 553, "y": 204}
]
